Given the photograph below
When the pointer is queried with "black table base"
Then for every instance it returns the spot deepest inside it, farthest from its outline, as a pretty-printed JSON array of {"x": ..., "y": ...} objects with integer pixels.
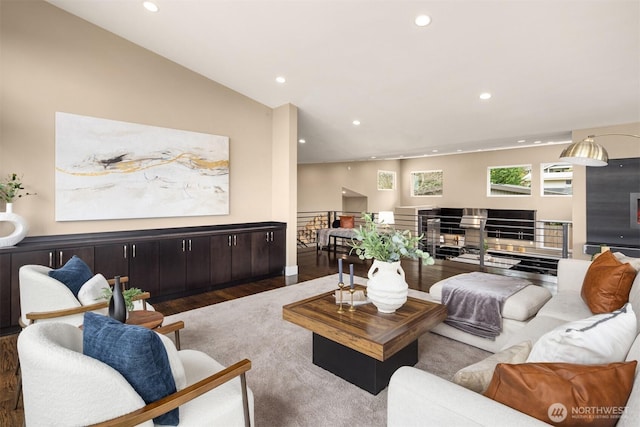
[{"x": 364, "y": 371}]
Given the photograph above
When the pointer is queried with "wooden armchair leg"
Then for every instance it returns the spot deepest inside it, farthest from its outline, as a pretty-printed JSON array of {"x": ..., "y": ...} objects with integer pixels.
[
  {"x": 245, "y": 400},
  {"x": 18, "y": 375},
  {"x": 177, "y": 336},
  {"x": 172, "y": 327}
]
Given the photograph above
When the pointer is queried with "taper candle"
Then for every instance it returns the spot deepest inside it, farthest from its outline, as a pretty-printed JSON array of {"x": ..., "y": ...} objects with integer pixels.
[
  {"x": 351, "y": 275},
  {"x": 340, "y": 270}
]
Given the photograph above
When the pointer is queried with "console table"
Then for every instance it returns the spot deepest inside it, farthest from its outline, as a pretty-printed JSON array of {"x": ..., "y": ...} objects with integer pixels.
[
  {"x": 326, "y": 235},
  {"x": 167, "y": 263}
]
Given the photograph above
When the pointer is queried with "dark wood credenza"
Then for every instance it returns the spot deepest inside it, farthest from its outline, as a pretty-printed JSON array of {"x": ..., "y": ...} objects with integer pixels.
[{"x": 168, "y": 263}]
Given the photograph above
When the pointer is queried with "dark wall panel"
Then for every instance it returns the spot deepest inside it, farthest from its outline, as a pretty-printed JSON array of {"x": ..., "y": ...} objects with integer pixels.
[{"x": 609, "y": 213}]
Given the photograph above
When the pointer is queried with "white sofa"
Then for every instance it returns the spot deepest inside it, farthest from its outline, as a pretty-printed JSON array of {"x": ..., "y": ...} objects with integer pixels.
[
  {"x": 417, "y": 398},
  {"x": 518, "y": 310}
]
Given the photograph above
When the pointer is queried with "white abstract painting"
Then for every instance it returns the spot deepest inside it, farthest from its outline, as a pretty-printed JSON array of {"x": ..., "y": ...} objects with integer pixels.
[{"x": 107, "y": 169}]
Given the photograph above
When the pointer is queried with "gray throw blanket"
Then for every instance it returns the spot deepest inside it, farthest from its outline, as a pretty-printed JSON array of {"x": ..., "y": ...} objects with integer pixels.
[{"x": 474, "y": 301}]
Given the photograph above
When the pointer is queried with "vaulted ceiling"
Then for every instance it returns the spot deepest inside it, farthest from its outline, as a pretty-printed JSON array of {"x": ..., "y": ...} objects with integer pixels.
[{"x": 551, "y": 66}]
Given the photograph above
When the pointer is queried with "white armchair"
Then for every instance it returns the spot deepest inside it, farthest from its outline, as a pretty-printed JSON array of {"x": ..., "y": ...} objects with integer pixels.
[
  {"x": 43, "y": 298},
  {"x": 64, "y": 387}
]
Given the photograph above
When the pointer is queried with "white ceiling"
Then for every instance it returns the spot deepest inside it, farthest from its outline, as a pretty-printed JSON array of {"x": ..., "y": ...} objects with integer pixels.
[{"x": 551, "y": 65}]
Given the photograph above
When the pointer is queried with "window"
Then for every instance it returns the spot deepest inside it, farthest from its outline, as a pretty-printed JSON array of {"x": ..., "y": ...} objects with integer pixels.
[
  {"x": 386, "y": 180},
  {"x": 426, "y": 183},
  {"x": 557, "y": 179},
  {"x": 509, "y": 181}
]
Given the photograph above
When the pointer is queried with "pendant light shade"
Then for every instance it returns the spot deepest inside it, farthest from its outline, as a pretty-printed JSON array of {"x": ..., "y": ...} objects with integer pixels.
[{"x": 588, "y": 152}]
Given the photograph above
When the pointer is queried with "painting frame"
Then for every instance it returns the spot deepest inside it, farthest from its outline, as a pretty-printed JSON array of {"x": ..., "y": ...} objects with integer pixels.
[
  {"x": 108, "y": 169},
  {"x": 427, "y": 183},
  {"x": 386, "y": 180}
]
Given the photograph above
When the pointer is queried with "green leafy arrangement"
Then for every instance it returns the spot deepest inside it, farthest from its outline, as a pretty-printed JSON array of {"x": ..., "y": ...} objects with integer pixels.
[
  {"x": 128, "y": 294},
  {"x": 10, "y": 188},
  {"x": 384, "y": 243}
]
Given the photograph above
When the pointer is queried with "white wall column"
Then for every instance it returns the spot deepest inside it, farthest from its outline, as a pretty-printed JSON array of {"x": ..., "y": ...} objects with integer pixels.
[{"x": 285, "y": 178}]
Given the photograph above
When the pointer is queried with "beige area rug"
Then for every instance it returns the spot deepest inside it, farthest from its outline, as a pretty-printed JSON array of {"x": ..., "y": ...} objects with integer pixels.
[{"x": 289, "y": 390}]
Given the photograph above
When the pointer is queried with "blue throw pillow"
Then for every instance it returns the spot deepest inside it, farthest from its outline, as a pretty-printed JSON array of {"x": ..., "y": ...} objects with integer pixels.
[
  {"x": 73, "y": 274},
  {"x": 137, "y": 353}
]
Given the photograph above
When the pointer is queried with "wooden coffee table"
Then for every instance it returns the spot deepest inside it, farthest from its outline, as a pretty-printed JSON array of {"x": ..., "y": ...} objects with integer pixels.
[{"x": 364, "y": 347}]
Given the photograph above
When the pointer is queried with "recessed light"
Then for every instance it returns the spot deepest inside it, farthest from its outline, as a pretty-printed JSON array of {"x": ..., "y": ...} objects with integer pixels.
[
  {"x": 459, "y": 150},
  {"x": 434, "y": 151},
  {"x": 537, "y": 142},
  {"x": 302, "y": 140},
  {"x": 281, "y": 79},
  {"x": 422, "y": 20},
  {"x": 522, "y": 140},
  {"x": 373, "y": 157},
  {"x": 485, "y": 96},
  {"x": 150, "y": 6},
  {"x": 356, "y": 122}
]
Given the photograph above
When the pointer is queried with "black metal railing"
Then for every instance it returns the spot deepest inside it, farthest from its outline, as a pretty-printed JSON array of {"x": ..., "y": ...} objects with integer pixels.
[{"x": 519, "y": 244}]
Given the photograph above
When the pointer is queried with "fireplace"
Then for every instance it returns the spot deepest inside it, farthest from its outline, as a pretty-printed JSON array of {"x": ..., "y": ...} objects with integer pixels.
[
  {"x": 634, "y": 210},
  {"x": 613, "y": 207}
]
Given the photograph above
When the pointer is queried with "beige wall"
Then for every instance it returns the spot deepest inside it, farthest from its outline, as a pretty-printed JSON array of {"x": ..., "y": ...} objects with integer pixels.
[
  {"x": 355, "y": 204},
  {"x": 52, "y": 61},
  {"x": 320, "y": 185},
  {"x": 465, "y": 181}
]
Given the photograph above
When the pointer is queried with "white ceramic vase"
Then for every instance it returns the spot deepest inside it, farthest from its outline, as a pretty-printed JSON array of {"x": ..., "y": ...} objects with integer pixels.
[
  {"x": 20, "y": 227},
  {"x": 387, "y": 288}
]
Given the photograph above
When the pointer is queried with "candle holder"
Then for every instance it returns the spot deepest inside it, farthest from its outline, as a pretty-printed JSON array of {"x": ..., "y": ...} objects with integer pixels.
[
  {"x": 341, "y": 287},
  {"x": 353, "y": 307}
]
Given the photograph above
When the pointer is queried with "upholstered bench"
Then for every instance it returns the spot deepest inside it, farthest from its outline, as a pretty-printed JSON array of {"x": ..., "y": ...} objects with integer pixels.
[{"x": 517, "y": 310}]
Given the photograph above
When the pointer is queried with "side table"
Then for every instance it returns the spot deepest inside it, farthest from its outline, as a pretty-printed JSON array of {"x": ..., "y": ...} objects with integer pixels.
[{"x": 153, "y": 320}]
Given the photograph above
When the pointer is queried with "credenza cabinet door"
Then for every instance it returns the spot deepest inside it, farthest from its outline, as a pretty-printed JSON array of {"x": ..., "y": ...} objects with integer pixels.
[
  {"x": 198, "y": 273},
  {"x": 184, "y": 264},
  {"x": 278, "y": 251},
  {"x": 143, "y": 267},
  {"x": 221, "y": 258},
  {"x": 241, "y": 256},
  {"x": 230, "y": 257},
  {"x": 172, "y": 265},
  {"x": 112, "y": 260},
  {"x": 260, "y": 253},
  {"x": 9, "y": 308},
  {"x": 268, "y": 252}
]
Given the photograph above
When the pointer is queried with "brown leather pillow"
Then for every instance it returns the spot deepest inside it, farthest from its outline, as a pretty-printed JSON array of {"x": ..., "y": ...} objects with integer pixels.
[
  {"x": 607, "y": 284},
  {"x": 346, "y": 222},
  {"x": 565, "y": 394}
]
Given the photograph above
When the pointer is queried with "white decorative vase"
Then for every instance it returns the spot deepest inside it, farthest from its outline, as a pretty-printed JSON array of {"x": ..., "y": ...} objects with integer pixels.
[
  {"x": 386, "y": 287},
  {"x": 20, "y": 227}
]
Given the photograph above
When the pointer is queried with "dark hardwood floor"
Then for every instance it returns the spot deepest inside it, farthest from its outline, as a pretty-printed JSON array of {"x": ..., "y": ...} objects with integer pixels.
[{"x": 310, "y": 266}]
